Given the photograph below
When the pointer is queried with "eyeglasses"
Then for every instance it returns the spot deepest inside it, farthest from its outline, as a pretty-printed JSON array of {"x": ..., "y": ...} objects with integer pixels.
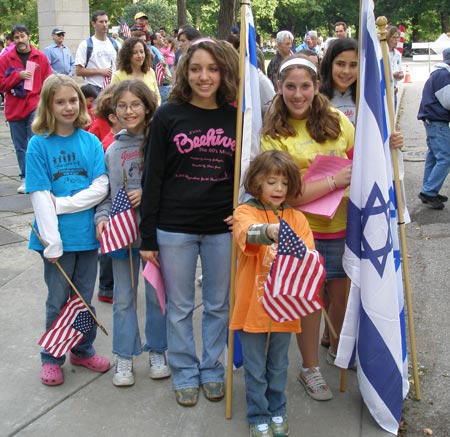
[{"x": 135, "y": 106}]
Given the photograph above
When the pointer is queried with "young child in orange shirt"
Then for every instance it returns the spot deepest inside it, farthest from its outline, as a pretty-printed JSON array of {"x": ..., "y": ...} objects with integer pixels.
[{"x": 272, "y": 178}]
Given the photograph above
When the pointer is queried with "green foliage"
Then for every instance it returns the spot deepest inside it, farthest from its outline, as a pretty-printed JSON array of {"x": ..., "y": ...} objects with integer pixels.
[{"x": 19, "y": 11}]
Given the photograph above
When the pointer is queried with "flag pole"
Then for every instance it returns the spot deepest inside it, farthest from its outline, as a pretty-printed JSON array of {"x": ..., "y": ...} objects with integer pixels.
[
  {"x": 381, "y": 23},
  {"x": 237, "y": 173},
  {"x": 45, "y": 244},
  {"x": 130, "y": 250}
]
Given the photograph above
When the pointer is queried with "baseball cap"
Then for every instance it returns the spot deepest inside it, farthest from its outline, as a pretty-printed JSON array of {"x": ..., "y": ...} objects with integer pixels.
[
  {"x": 135, "y": 27},
  {"x": 446, "y": 55},
  {"x": 140, "y": 15},
  {"x": 57, "y": 31}
]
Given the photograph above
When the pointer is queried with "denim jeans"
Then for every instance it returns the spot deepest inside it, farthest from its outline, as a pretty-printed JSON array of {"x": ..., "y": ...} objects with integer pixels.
[
  {"x": 437, "y": 163},
  {"x": 126, "y": 334},
  {"x": 178, "y": 255},
  {"x": 105, "y": 276},
  {"x": 265, "y": 376},
  {"x": 81, "y": 268},
  {"x": 20, "y": 134},
  {"x": 164, "y": 91}
]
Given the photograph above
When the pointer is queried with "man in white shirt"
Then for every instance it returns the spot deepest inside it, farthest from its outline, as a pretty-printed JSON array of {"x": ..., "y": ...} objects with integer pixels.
[{"x": 98, "y": 64}]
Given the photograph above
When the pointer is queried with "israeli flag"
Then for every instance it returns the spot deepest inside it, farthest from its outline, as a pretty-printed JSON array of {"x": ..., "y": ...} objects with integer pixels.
[
  {"x": 374, "y": 329},
  {"x": 251, "y": 108}
]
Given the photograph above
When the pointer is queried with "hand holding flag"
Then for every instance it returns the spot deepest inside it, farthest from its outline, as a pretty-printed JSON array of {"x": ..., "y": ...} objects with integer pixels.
[
  {"x": 122, "y": 227},
  {"x": 293, "y": 284}
]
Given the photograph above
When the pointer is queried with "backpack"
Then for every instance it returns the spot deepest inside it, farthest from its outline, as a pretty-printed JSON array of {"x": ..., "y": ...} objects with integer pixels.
[{"x": 90, "y": 47}]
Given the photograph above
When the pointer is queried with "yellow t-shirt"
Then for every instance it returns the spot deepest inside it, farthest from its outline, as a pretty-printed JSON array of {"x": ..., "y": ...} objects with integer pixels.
[
  {"x": 149, "y": 79},
  {"x": 304, "y": 149},
  {"x": 253, "y": 266}
]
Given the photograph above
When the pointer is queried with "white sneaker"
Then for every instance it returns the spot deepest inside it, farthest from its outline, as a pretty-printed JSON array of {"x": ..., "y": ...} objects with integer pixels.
[
  {"x": 158, "y": 365},
  {"x": 21, "y": 189},
  {"x": 123, "y": 374}
]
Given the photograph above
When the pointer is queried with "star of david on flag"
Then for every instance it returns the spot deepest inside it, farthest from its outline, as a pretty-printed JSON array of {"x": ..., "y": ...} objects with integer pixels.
[
  {"x": 69, "y": 328},
  {"x": 374, "y": 328},
  {"x": 292, "y": 286},
  {"x": 122, "y": 227}
]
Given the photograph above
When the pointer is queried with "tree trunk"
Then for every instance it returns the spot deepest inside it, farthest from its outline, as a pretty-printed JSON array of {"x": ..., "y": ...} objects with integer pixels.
[
  {"x": 227, "y": 12},
  {"x": 182, "y": 15},
  {"x": 445, "y": 26}
]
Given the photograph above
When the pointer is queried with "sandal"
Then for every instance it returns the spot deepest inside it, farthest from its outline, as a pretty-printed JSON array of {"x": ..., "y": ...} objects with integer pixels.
[
  {"x": 51, "y": 374},
  {"x": 96, "y": 363}
]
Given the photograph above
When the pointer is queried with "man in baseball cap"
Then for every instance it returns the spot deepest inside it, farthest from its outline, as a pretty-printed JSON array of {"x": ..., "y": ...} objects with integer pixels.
[
  {"x": 59, "y": 55},
  {"x": 141, "y": 19}
]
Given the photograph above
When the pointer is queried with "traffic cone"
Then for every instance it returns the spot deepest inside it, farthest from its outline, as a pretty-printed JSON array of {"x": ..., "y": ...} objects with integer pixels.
[{"x": 407, "y": 75}]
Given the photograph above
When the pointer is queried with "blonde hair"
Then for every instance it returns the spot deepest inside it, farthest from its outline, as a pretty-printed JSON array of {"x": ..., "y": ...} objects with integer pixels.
[{"x": 45, "y": 121}]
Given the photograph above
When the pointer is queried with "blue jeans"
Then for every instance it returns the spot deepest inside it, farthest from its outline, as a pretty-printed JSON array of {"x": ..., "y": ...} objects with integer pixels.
[
  {"x": 164, "y": 91},
  {"x": 265, "y": 376},
  {"x": 178, "y": 255},
  {"x": 437, "y": 163},
  {"x": 81, "y": 268},
  {"x": 105, "y": 276},
  {"x": 20, "y": 134},
  {"x": 126, "y": 335}
]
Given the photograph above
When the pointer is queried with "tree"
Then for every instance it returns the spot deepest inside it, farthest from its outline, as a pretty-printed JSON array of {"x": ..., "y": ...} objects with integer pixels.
[{"x": 226, "y": 18}]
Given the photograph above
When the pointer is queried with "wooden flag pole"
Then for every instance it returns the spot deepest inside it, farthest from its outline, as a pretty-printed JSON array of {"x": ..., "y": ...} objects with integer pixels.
[
  {"x": 45, "y": 244},
  {"x": 381, "y": 23},
  {"x": 237, "y": 173},
  {"x": 130, "y": 249}
]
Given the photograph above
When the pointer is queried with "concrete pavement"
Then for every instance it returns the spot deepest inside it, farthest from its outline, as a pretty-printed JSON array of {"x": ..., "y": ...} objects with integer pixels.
[{"x": 87, "y": 403}]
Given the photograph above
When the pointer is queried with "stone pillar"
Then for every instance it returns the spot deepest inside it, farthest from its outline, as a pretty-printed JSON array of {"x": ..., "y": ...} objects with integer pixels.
[{"x": 70, "y": 15}]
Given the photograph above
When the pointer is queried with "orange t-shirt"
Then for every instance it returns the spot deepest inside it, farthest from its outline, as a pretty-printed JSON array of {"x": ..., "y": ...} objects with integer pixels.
[{"x": 254, "y": 262}]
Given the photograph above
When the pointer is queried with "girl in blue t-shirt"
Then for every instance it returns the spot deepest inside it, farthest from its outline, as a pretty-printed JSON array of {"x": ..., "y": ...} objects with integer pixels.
[{"x": 66, "y": 177}]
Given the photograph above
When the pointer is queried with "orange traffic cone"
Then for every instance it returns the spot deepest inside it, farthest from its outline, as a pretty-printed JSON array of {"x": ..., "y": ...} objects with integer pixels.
[{"x": 407, "y": 75}]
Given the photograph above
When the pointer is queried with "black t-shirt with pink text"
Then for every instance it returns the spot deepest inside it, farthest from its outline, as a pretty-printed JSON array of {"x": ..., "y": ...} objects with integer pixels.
[{"x": 188, "y": 171}]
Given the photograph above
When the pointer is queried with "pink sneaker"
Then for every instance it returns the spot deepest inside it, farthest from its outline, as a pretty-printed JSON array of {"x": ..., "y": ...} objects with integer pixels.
[
  {"x": 97, "y": 363},
  {"x": 51, "y": 374}
]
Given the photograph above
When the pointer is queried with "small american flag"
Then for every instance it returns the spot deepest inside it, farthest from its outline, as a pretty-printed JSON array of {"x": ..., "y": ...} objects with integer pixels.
[
  {"x": 106, "y": 81},
  {"x": 122, "y": 227},
  {"x": 160, "y": 73},
  {"x": 126, "y": 32},
  {"x": 73, "y": 322},
  {"x": 292, "y": 286}
]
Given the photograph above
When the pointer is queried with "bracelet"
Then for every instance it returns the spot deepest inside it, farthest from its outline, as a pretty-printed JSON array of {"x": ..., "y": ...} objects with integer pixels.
[
  {"x": 331, "y": 183},
  {"x": 334, "y": 183}
]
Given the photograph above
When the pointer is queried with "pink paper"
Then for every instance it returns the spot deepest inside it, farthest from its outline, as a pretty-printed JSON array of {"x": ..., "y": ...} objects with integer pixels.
[
  {"x": 153, "y": 275},
  {"x": 28, "y": 83},
  {"x": 321, "y": 167}
]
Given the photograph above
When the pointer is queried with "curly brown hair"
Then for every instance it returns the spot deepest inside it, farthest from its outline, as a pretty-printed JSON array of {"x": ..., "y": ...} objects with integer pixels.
[
  {"x": 323, "y": 121},
  {"x": 227, "y": 61},
  {"x": 126, "y": 53},
  {"x": 273, "y": 162}
]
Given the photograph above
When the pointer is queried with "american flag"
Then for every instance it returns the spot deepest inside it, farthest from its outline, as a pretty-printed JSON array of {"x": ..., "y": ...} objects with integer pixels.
[
  {"x": 122, "y": 227},
  {"x": 126, "y": 32},
  {"x": 106, "y": 81},
  {"x": 73, "y": 322},
  {"x": 292, "y": 286},
  {"x": 160, "y": 73}
]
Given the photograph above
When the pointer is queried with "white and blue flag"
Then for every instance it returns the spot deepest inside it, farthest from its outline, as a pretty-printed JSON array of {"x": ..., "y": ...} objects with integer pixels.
[
  {"x": 251, "y": 108},
  {"x": 374, "y": 329}
]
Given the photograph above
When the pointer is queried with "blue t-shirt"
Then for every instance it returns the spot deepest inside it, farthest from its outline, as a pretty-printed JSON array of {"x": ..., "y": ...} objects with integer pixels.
[{"x": 65, "y": 166}]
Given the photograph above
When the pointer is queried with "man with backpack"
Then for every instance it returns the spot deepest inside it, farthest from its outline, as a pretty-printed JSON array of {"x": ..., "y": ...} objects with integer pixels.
[{"x": 96, "y": 56}]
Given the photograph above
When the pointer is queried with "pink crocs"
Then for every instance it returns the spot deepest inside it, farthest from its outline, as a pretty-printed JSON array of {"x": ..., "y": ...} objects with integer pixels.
[
  {"x": 51, "y": 374},
  {"x": 97, "y": 363}
]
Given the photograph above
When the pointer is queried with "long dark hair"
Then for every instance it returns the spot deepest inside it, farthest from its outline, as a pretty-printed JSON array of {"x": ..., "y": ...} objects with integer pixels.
[{"x": 326, "y": 67}]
